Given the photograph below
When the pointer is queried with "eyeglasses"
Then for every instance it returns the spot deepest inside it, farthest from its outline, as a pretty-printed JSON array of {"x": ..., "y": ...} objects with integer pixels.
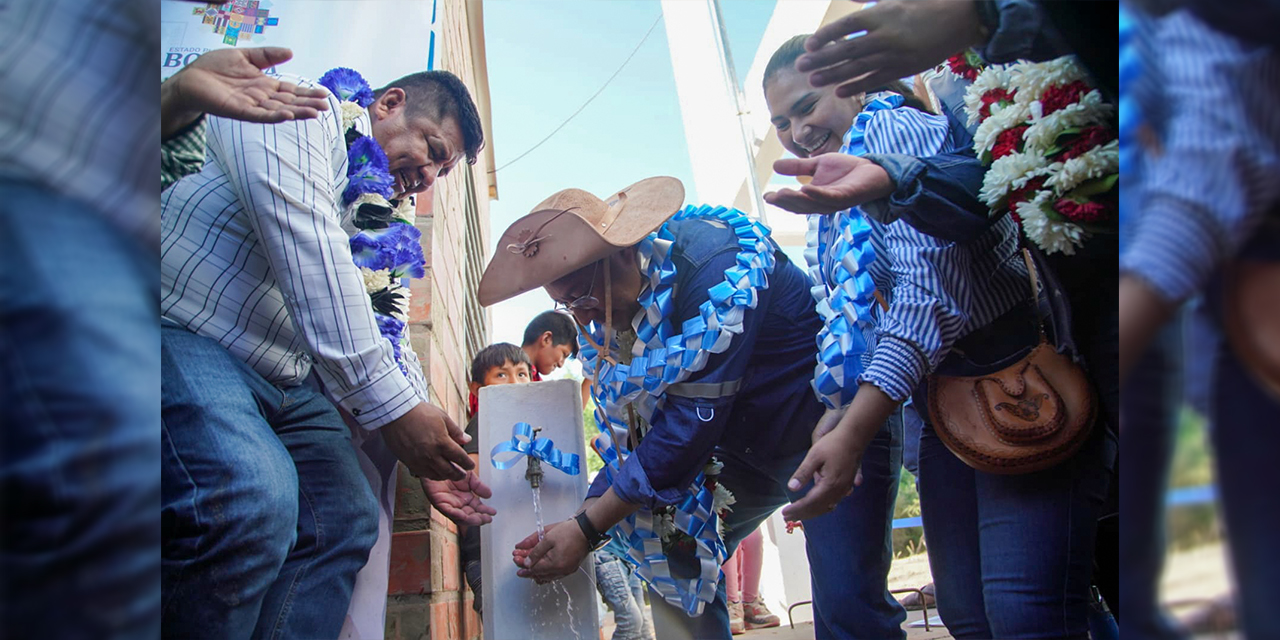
[{"x": 586, "y": 301}]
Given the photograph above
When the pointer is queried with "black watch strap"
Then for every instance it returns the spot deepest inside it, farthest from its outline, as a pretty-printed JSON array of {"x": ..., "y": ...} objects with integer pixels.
[{"x": 595, "y": 539}]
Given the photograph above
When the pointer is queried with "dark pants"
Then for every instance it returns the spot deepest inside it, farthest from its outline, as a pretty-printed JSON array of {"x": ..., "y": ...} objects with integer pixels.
[
  {"x": 1146, "y": 444},
  {"x": 1246, "y": 437},
  {"x": 850, "y": 549},
  {"x": 267, "y": 515},
  {"x": 79, "y": 426}
]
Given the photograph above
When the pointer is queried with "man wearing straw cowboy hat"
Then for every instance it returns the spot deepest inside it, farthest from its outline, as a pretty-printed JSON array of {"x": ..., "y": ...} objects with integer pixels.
[{"x": 699, "y": 335}]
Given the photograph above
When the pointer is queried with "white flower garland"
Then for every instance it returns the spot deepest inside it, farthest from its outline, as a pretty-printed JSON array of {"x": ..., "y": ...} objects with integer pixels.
[
  {"x": 1027, "y": 84},
  {"x": 1049, "y": 234},
  {"x": 990, "y": 79},
  {"x": 1091, "y": 110},
  {"x": 1011, "y": 172},
  {"x": 1096, "y": 163},
  {"x": 1002, "y": 117}
]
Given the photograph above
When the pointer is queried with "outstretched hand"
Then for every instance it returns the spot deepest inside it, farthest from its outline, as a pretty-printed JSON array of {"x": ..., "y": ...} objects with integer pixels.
[
  {"x": 901, "y": 39},
  {"x": 558, "y": 554},
  {"x": 832, "y": 464},
  {"x": 839, "y": 182},
  {"x": 460, "y": 500},
  {"x": 230, "y": 83}
]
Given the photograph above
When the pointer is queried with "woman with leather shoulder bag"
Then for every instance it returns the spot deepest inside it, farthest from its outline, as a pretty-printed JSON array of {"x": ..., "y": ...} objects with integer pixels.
[{"x": 1011, "y": 554}]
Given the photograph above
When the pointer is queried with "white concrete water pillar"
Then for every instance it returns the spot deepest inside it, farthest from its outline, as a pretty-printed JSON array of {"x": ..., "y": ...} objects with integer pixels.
[{"x": 518, "y": 608}]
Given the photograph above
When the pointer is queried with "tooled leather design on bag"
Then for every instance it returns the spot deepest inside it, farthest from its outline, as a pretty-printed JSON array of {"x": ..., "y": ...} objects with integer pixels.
[
  {"x": 966, "y": 426},
  {"x": 1024, "y": 416},
  {"x": 1027, "y": 410},
  {"x": 1028, "y": 462}
]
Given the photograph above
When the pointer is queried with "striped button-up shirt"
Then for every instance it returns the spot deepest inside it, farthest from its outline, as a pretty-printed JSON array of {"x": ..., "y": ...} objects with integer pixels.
[
  {"x": 938, "y": 291},
  {"x": 79, "y": 113},
  {"x": 1212, "y": 101},
  {"x": 254, "y": 256}
]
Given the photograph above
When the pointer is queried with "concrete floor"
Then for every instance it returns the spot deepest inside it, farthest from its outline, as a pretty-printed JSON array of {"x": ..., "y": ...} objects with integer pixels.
[{"x": 804, "y": 630}]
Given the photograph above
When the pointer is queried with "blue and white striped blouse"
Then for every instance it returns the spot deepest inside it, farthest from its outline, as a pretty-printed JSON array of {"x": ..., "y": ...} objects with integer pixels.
[
  {"x": 938, "y": 291},
  {"x": 1212, "y": 102}
]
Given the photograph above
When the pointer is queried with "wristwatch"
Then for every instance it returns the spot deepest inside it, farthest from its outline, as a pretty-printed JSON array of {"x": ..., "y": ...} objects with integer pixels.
[{"x": 595, "y": 539}]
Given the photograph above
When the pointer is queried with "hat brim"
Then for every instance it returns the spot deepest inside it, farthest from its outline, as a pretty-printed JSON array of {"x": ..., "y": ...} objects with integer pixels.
[{"x": 567, "y": 239}]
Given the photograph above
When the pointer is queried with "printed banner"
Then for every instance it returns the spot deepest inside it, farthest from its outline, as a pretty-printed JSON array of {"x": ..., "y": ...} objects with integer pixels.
[{"x": 382, "y": 39}]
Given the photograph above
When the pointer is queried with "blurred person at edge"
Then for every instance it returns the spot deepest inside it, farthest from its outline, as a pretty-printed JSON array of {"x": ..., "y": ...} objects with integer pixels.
[
  {"x": 1206, "y": 201},
  {"x": 80, "y": 373}
]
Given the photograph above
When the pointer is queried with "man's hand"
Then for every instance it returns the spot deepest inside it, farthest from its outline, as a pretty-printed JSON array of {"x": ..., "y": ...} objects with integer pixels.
[
  {"x": 429, "y": 443},
  {"x": 832, "y": 464},
  {"x": 556, "y": 556},
  {"x": 839, "y": 181},
  {"x": 903, "y": 38},
  {"x": 459, "y": 500},
  {"x": 230, "y": 83}
]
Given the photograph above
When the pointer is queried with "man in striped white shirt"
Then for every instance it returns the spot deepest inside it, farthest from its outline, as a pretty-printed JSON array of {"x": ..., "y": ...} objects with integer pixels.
[{"x": 267, "y": 514}]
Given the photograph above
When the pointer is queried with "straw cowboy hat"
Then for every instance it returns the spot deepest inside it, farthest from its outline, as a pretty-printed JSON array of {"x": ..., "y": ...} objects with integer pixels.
[{"x": 573, "y": 229}]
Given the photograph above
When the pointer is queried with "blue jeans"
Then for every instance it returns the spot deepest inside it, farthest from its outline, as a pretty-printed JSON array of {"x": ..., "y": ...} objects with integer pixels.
[
  {"x": 1246, "y": 435},
  {"x": 616, "y": 587},
  {"x": 1012, "y": 556},
  {"x": 79, "y": 452},
  {"x": 1149, "y": 414},
  {"x": 266, "y": 514},
  {"x": 850, "y": 549}
]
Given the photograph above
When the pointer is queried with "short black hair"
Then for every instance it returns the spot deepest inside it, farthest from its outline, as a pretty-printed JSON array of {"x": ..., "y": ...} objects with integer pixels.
[
  {"x": 440, "y": 95},
  {"x": 563, "y": 329},
  {"x": 791, "y": 50},
  {"x": 496, "y": 355}
]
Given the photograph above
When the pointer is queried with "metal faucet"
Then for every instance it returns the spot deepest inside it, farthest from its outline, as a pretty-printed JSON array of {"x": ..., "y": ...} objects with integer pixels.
[{"x": 534, "y": 473}]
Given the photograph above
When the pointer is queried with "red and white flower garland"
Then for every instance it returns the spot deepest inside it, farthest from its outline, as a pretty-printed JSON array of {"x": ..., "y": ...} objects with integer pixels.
[{"x": 1050, "y": 141}]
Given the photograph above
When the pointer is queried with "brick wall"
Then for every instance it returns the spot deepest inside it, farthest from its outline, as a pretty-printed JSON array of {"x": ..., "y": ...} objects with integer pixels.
[{"x": 427, "y": 597}]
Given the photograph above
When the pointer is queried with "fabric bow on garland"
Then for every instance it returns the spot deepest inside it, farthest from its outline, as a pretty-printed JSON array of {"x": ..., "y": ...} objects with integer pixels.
[{"x": 384, "y": 243}]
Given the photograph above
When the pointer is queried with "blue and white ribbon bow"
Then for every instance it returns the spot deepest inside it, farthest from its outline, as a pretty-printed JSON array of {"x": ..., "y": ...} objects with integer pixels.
[
  {"x": 838, "y": 251},
  {"x": 664, "y": 355},
  {"x": 544, "y": 449}
]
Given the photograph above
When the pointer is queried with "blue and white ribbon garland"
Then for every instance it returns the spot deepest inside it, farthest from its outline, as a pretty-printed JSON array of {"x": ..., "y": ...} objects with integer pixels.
[
  {"x": 544, "y": 449},
  {"x": 661, "y": 357},
  {"x": 1130, "y": 120},
  {"x": 838, "y": 251}
]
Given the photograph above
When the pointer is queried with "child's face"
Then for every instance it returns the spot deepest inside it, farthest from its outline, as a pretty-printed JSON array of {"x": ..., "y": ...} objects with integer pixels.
[
  {"x": 810, "y": 121},
  {"x": 547, "y": 356},
  {"x": 509, "y": 373}
]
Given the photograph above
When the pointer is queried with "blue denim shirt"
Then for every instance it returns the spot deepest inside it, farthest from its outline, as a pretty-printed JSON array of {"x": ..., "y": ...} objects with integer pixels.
[
  {"x": 773, "y": 410},
  {"x": 938, "y": 195}
]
